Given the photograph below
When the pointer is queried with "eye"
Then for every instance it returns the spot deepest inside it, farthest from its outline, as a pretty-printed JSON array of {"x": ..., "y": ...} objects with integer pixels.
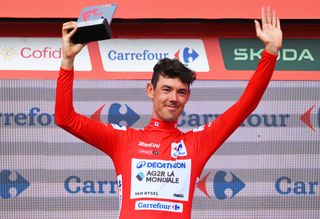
[
  {"x": 166, "y": 90},
  {"x": 182, "y": 92}
]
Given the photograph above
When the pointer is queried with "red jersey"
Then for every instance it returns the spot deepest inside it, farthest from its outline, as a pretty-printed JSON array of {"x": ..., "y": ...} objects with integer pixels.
[{"x": 157, "y": 167}]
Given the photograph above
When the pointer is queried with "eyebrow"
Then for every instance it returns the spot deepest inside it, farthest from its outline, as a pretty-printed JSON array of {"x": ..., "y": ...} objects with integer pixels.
[{"x": 167, "y": 86}]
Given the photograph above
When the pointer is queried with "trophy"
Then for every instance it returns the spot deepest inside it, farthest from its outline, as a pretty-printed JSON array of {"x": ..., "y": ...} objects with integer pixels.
[{"x": 93, "y": 24}]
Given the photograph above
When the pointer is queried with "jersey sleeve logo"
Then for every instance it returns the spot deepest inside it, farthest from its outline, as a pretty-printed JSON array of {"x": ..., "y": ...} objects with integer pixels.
[
  {"x": 178, "y": 149},
  {"x": 200, "y": 128},
  {"x": 119, "y": 127}
]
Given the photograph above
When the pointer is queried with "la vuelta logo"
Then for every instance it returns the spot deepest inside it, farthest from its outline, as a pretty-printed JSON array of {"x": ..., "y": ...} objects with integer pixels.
[
  {"x": 115, "y": 116},
  {"x": 307, "y": 118},
  {"x": 220, "y": 185}
]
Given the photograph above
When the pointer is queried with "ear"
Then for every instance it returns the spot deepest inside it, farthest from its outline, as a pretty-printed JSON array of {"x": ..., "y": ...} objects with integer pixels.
[{"x": 150, "y": 90}]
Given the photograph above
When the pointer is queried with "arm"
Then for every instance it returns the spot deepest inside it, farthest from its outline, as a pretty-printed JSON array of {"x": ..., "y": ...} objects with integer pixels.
[
  {"x": 93, "y": 132},
  {"x": 217, "y": 132}
]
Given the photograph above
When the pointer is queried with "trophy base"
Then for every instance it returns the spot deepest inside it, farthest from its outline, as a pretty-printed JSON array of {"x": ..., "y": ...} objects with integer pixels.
[{"x": 93, "y": 30}]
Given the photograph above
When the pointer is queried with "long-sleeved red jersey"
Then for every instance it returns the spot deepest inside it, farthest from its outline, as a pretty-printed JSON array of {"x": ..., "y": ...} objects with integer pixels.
[{"x": 157, "y": 167}]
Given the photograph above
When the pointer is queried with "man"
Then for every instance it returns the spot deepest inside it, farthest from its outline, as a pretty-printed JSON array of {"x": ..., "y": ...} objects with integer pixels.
[{"x": 161, "y": 184}]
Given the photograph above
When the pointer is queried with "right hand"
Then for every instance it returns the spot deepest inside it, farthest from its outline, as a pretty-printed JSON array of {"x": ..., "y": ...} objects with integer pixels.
[
  {"x": 270, "y": 31},
  {"x": 69, "y": 50}
]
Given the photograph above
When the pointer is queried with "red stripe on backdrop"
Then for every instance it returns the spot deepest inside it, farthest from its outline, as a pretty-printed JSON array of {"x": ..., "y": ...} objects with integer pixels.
[
  {"x": 206, "y": 9},
  {"x": 208, "y": 32}
]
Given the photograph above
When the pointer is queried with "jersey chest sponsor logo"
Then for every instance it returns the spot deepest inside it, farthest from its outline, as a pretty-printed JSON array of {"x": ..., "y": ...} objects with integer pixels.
[
  {"x": 178, "y": 149},
  {"x": 149, "y": 145},
  {"x": 159, "y": 206},
  {"x": 160, "y": 179},
  {"x": 149, "y": 148}
]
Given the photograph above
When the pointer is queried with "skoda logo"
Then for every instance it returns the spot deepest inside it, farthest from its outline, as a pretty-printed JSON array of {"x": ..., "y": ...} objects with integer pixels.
[{"x": 141, "y": 164}]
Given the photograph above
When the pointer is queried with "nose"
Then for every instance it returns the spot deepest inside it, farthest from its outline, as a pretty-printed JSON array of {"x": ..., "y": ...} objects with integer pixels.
[{"x": 173, "y": 96}]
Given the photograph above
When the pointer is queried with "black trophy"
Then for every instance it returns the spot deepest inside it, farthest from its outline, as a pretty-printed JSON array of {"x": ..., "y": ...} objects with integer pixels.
[{"x": 94, "y": 24}]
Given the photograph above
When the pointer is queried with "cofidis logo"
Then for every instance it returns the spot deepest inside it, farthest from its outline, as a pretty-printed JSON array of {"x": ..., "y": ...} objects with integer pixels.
[
  {"x": 12, "y": 184},
  {"x": 221, "y": 184},
  {"x": 140, "y": 55},
  {"x": 36, "y": 54}
]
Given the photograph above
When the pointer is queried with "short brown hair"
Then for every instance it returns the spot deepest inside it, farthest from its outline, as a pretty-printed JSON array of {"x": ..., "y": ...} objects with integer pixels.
[{"x": 172, "y": 68}]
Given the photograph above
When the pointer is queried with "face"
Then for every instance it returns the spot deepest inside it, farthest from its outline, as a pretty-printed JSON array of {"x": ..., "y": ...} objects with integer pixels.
[{"x": 169, "y": 98}]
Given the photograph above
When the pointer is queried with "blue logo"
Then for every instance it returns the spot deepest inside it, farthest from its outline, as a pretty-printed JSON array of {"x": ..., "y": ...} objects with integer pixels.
[
  {"x": 141, "y": 164},
  {"x": 76, "y": 185},
  {"x": 189, "y": 55},
  {"x": 285, "y": 185},
  {"x": 178, "y": 149},
  {"x": 12, "y": 180},
  {"x": 220, "y": 185},
  {"x": 140, "y": 176},
  {"x": 116, "y": 117},
  {"x": 176, "y": 207}
]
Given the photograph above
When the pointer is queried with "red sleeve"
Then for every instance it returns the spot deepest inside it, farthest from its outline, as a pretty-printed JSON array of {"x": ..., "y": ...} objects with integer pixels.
[
  {"x": 214, "y": 134},
  {"x": 96, "y": 133}
]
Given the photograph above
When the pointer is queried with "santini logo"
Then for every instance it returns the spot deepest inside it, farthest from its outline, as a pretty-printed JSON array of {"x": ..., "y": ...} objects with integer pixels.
[
  {"x": 220, "y": 185},
  {"x": 12, "y": 184},
  {"x": 116, "y": 117}
]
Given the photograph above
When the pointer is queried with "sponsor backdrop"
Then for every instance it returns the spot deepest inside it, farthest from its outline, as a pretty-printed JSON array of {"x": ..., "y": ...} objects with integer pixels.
[{"x": 269, "y": 168}]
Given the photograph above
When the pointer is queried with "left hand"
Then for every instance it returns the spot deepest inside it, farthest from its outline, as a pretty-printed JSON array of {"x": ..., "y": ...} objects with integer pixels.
[{"x": 270, "y": 34}]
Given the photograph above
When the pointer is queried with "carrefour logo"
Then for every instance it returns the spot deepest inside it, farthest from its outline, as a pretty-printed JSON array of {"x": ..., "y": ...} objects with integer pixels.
[
  {"x": 307, "y": 118},
  {"x": 33, "y": 117},
  {"x": 158, "y": 206},
  {"x": 254, "y": 120},
  {"x": 12, "y": 184},
  {"x": 285, "y": 185},
  {"x": 140, "y": 55},
  {"x": 36, "y": 117},
  {"x": 76, "y": 185},
  {"x": 221, "y": 185},
  {"x": 116, "y": 117},
  {"x": 186, "y": 55}
]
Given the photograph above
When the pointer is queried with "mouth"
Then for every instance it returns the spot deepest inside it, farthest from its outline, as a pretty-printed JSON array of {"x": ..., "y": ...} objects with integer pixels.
[{"x": 172, "y": 108}]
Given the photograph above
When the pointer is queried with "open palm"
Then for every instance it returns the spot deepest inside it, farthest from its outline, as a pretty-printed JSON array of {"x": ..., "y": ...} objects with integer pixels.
[{"x": 270, "y": 33}]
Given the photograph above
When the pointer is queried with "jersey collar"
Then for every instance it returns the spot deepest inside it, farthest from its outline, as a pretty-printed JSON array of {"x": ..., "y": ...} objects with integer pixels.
[{"x": 162, "y": 124}]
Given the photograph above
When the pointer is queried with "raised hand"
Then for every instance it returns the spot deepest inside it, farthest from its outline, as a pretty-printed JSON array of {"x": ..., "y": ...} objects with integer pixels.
[
  {"x": 69, "y": 49},
  {"x": 270, "y": 33}
]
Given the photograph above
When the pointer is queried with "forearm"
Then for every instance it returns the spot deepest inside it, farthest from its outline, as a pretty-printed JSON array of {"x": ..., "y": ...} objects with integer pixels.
[
  {"x": 259, "y": 81},
  {"x": 230, "y": 120},
  {"x": 64, "y": 99},
  {"x": 67, "y": 63}
]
